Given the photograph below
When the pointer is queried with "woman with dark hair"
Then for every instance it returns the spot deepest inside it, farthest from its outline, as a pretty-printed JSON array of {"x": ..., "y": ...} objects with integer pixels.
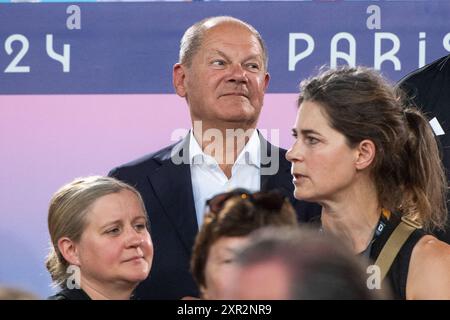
[
  {"x": 373, "y": 164},
  {"x": 232, "y": 216}
]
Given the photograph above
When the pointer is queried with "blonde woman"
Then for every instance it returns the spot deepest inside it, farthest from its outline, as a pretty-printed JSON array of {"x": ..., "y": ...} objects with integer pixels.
[{"x": 101, "y": 246}]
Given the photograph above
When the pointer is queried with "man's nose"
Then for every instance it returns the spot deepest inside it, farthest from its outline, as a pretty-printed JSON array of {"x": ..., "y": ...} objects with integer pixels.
[{"x": 238, "y": 74}]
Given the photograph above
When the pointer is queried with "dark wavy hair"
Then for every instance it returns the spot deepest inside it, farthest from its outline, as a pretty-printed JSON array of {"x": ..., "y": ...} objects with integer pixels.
[
  {"x": 238, "y": 218},
  {"x": 407, "y": 169}
]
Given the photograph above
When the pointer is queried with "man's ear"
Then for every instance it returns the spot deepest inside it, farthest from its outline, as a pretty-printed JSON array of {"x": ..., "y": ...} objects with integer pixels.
[
  {"x": 266, "y": 81},
  {"x": 365, "y": 154},
  {"x": 69, "y": 250},
  {"x": 178, "y": 77}
]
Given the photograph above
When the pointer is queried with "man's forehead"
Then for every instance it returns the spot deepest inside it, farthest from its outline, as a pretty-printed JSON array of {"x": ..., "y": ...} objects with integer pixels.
[
  {"x": 212, "y": 23},
  {"x": 218, "y": 36},
  {"x": 223, "y": 26},
  {"x": 223, "y": 34}
]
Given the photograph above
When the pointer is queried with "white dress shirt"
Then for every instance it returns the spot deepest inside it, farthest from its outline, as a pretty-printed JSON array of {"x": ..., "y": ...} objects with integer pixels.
[{"x": 209, "y": 180}]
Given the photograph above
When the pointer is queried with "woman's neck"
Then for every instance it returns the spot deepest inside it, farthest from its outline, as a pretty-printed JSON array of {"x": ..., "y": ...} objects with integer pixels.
[
  {"x": 353, "y": 217},
  {"x": 110, "y": 292}
]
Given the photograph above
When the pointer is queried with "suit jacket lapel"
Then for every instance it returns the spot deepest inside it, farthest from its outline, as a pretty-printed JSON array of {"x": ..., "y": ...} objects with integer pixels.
[
  {"x": 173, "y": 187},
  {"x": 265, "y": 154},
  {"x": 279, "y": 174}
]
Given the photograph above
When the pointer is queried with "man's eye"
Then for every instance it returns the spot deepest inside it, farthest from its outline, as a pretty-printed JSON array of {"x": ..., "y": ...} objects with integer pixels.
[
  {"x": 218, "y": 63},
  {"x": 253, "y": 66}
]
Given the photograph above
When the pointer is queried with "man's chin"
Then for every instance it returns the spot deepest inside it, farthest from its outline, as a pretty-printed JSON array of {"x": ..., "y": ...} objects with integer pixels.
[
  {"x": 239, "y": 122},
  {"x": 242, "y": 114}
]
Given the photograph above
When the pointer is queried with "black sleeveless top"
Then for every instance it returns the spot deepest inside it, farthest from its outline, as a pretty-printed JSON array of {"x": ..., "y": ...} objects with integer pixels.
[
  {"x": 70, "y": 294},
  {"x": 74, "y": 294},
  {"x": 398, "y": 273}
]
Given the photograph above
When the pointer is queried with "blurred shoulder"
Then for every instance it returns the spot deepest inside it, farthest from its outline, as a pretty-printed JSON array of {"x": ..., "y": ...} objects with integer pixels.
[{"x": 429, "y": 271}]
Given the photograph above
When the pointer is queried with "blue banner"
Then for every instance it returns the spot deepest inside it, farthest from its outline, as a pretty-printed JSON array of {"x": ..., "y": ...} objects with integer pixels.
[{"x": 120, "y": 48}]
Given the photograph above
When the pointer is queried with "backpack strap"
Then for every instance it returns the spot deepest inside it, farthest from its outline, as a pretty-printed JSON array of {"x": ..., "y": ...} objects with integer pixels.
[{"x": 394, "y": 244}]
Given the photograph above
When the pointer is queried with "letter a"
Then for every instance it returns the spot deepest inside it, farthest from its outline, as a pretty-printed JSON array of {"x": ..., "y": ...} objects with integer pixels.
[
  {"x": 374, "y": 280},
  {"x": 74, "y": 20},
  {"x": 374, "y": 20}
]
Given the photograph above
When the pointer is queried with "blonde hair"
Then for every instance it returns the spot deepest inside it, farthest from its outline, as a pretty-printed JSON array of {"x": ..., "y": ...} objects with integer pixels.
[
  {"x": 67, "y": 213},
  {"x": 13, "y": 293}
]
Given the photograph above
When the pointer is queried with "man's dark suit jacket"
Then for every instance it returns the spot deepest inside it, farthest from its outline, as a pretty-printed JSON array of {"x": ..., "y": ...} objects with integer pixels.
[
  {"x": 166, "y": 188},
  {"x": 429, "y": 89}
]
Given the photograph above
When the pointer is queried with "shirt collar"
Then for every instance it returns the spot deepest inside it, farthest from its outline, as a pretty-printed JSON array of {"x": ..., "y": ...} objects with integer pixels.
[
  {"x": 249, "y": 155},
  {"x": 196, "y": 154}
]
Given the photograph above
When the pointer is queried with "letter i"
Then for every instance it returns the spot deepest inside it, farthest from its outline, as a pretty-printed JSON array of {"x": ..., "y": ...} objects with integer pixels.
[{"x": 422, "y": 48}]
